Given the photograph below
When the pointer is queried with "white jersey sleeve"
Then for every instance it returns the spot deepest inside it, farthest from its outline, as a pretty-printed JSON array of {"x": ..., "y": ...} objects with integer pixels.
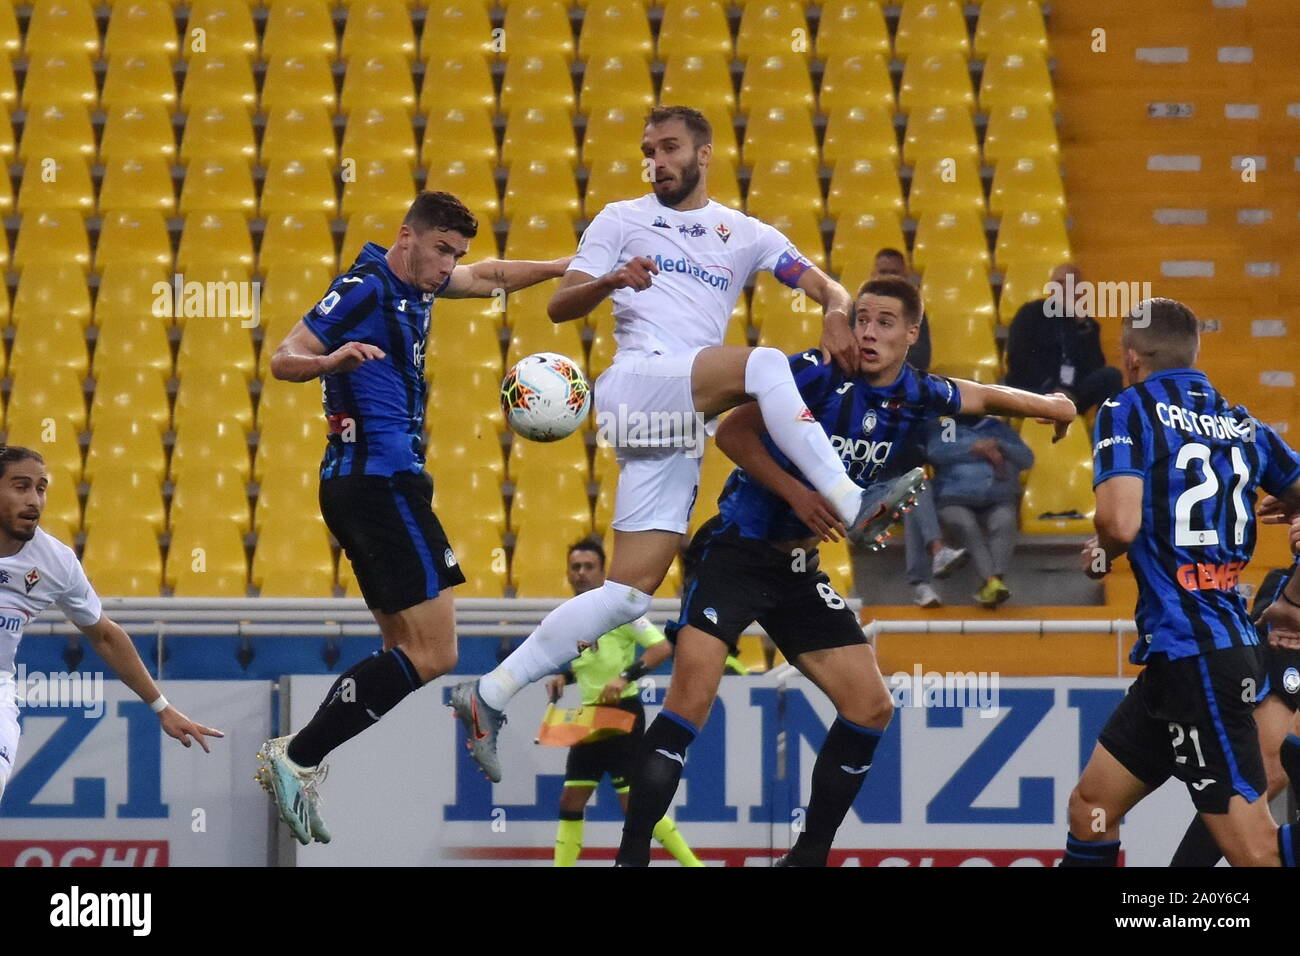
[
  {"x": 600, "y": 250},
  {"x": 774, "y": 253},
  {"x": 78, "y": 599}
]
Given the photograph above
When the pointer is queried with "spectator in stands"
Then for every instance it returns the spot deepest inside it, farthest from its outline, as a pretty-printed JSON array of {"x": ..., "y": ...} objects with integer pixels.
[
  {"x": 1055, "y": 346},
  {"x": 928, "y": 557},
  {"x": 977, "y": 463}
]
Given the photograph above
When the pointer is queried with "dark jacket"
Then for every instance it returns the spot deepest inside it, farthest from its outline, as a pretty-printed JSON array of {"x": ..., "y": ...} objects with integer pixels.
[
  {"x": 918, "y": 356},
  {"x": 1039, "y": 344},
  {"x": 962, "y": 477}
]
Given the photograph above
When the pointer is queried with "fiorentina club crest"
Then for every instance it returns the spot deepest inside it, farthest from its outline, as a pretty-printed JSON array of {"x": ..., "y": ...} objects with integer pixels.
[
  {"x": 723, "y": 232},
  {"x": 4, "y": 577},
  {"x": 31, "y": 579}
]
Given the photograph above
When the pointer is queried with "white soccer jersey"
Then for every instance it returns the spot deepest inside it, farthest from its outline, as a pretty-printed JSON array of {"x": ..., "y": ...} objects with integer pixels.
[
  {"x": 45, "y": 571},
  {"x": 705, "y": 257}
]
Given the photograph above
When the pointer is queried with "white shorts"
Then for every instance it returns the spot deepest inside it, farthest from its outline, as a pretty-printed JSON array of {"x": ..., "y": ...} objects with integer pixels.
[
  {"x": 644, "y": 408},
  {"x": 8, "y": 734}
]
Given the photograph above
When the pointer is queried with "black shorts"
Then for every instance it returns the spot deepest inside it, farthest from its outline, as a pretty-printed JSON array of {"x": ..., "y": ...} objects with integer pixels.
[
  {"x": 613, "y": 755},
  {"x": 731, "y": 582},
  {"x": 392, "y": 537},
  {"x": 1284, "y": 674},
  {"x": 1194, "y": 719}
]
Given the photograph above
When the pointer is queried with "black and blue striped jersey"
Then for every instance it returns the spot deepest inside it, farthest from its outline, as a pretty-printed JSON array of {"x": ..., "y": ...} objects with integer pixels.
[
  {"x": 875, "y": 431},
  {"x": 1201, "y": 461},
  {"x": 375, "y": 412}
]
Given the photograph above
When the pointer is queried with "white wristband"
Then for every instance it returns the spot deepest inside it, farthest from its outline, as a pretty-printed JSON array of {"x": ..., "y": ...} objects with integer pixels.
[{"x": 159, "y": 705}]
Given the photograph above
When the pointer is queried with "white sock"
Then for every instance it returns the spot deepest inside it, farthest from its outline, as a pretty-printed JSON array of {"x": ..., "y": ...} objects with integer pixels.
[
  {"x": 804, "y": 442},
  {"x": 581, "y": 619}
]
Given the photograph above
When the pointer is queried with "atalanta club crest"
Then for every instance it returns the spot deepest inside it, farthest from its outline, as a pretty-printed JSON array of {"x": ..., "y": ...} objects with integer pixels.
[
  {"x": 723, "y": 232},
  {"x": 869, "y": 422}
]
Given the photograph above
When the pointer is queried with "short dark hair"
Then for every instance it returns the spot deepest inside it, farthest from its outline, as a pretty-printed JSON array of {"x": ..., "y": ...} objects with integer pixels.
[
  {"x": 15, "y": 453},
  {"x": 1164, "y": 332},
  {"x": 899, "y": 288},
  {"x": 435, "y": 210},
  {"x": 889, "y": 252},
  {"x": 589, "y": 544},
  {"x": 699, "y": 125}
]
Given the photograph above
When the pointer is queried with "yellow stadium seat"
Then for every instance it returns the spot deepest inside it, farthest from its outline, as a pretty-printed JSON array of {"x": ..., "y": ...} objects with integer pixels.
[
  {"x": 538, "y": 496},
  {"x": 857, "y": 238},
  {"x": 139, "y": 342},
  {"x": 852, "y": 28},
  {"x": 1016, "y": 79},
  {"x": 52, "y": 237},
  {"x": 957, "y": 294},
  {"x": 455, "y": 133},
  {"x": 1010, "y": 26},
  {"x": 131, "y": 237},
  {"x": 1032, "y": 235},
  {"x": 538, "y": 134},
  {"x": 293, "y": 560},
  {"x": 213, "y": 80},
  {"x": 467, "y": 329},
  {"x": 715, "y": 469},
  {"x": 463, "y": 26},
  {"x": 1023, "y": 282},
  {"x": 694, "y": 28},
  {"x": 287, "y": 402},
  {"x": 285, "y": 489},
  {"x": 292, "y": 239},
  {"x": 299, "y": 82},
  {"x": 299, "y": 28},
  {"x": 59, "y": 79},
  {"x": 8, "y": 88},
  {"x": 931, "y": 26},
  {"x": 611, "y": 181},
  {"x": 122, "y": 559},
  {"x": 52, "y": 302},
  {"x": 8, "y": 148},
  {"x": 726, "y": 149},
  {"x": 776, "y": 80},
  {"x": 481, "y": 558},
  {"x": 209, "y": 445},
  {"x": 537, "y": 566},
  {"x": 860, "y": 132},
  {"x": 864, "y": 185},
  {"x": 940, "y": 132},
  {"x": 227, "y": 27},
  {"x": 945, "y": 185},
  {"x": 133, "y": 131},
  {"x": 1017, "y": 131},
  {"x": 220, "y": 133},
  {"x": 378, "y": 78},
  {"x": 54, "y": 185},
  {"x": 616, "y": 28},
  {"x": 206, "y": 558},
  {"x": 62, "y": 27},
  {"x": 613, "y": 135},
  {"x": 379, "y": 184},
  {"x": 569, "y": 455},
  {"x": 62, "y": 506},
  {"x": 464, "y": 79},
  {"x": 778, "y": 133},
  {"x": 129, "y": 393},
  {"x": 1026, "y": 183},
  {"x": 701, "y": 79},
  {"x": 473, "y": 182},
  {"x": 936, "y": 79},
  {"x": 41, "y": 394},
  {"x": 293, "y": 133},
  {"x": 378, "y": 227},
  {"x": 144, "y": 78},
  {"x": 61, "y": 132},
  {"x": 141, "y": 28},
  {"x": 954, "y": 235},
  {"x": 138, "y": 182},
  {"x": 213, "y": 185},
  {"x": 1058, "y": 491},
  {"x": 375, "y": 26},
  {"x": 126, "y": 440},
  {"x": 379, "y": 134},
  {"x": 805, "y": 231},
  {"x": 132, "y": 290},
  {"x": 773, "y": 27},
  {"x": 211, "y": 345},
  {"x": 123, "y": 489},
  {"x": 783, "y": 186},
  {"x": 538, "y": 26},
  {"x": 210, "y": 238},
  {"x": 540, "y": 334},
  {"x": 771, "y": 300},
  {"x": 538, "y": 81},
  {"x": 861, "y": 80},
  {"x": 288, "y": 292},
  {"x": 616, "y": 81},
  {"x": 539, "y": 187},
  {"x": 604, "y": 509},
  {"x": 294, "y": 186},
  {"x": 11, "y": 38},
  {"x": 540, "y": 237}
]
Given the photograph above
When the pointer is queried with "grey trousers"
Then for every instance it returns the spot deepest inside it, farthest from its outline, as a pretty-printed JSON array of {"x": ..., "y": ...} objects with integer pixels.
[
  {"x": 988, "y": 534},
  {"x": 920, "y": 527}
]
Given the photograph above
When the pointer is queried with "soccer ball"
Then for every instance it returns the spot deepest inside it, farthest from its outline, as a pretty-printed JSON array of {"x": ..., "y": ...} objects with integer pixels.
[{"x": 545, "y": 397}]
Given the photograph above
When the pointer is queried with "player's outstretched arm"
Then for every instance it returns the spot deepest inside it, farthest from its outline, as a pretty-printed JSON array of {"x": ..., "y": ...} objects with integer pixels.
[
  {"x": 115, "y": 647},
  {"x": 301, "y": 357},
  {"x": 579, "y": 292},
  {"x": 838, "y": 341},
  {"x": 482, "y": 280},
  {"x": 977, "y": 399},
  {"x": 1118, "y": 519},
  {"x": 740, "y": 436}
]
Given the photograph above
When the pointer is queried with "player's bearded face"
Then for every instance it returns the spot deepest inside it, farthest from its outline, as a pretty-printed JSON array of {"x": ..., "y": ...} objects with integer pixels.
[
  {"x": 884, "y": 336},
  {"x": 22, "y": 499},
  {"x": 679, "y": 183}
]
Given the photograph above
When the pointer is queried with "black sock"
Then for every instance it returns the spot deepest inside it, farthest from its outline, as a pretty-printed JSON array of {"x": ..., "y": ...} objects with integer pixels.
[
  {"x": 1198, "y": 847},
  {"x": 841, "y": 767},
  {"x": 361, "y": 695},
  {"x": 1082, "y": 853},
  {"x": 1288, "y": 844},
  {"x": 660, "y": 762},
  {"x": 1291, "y": 761}
]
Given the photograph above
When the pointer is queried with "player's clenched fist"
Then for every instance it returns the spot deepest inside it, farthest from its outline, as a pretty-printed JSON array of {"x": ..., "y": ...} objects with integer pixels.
[
  {"x": 633, "y": 274},
  {"x": 348, "y": 356}
]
